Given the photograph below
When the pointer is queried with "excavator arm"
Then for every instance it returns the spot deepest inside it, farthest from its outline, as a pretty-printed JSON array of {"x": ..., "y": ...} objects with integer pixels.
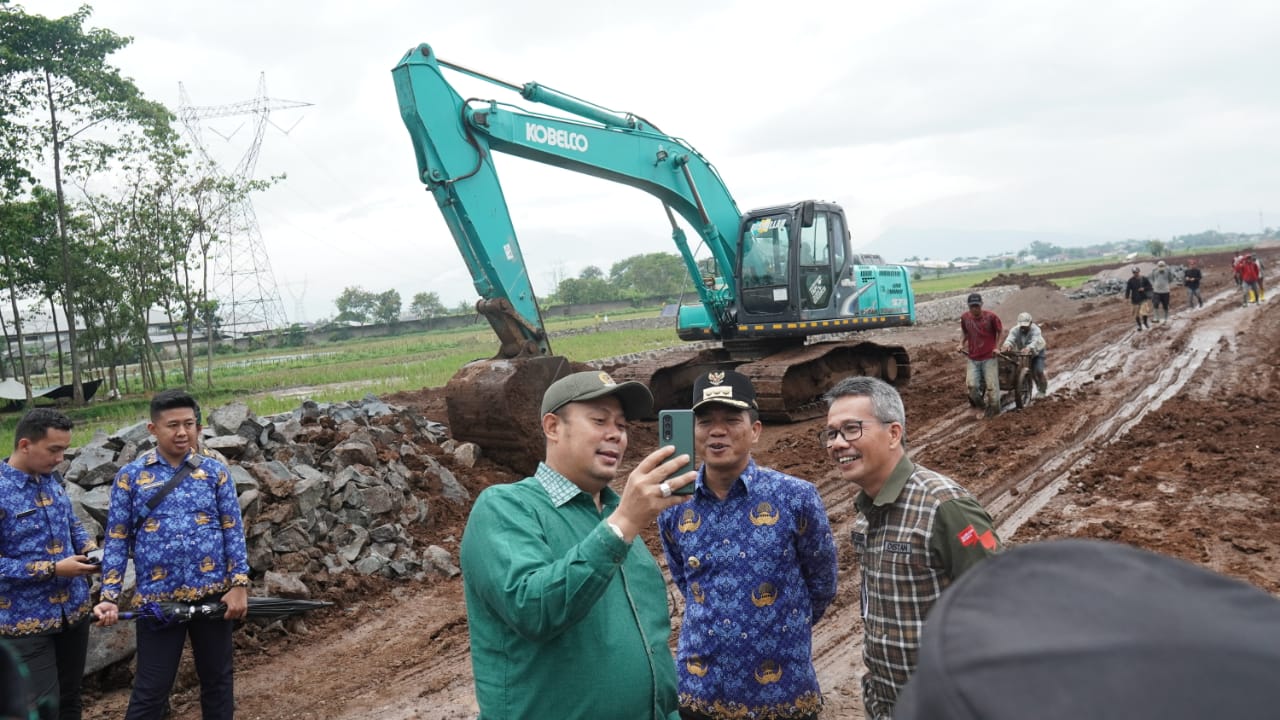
[{"x": 454, "y": 139}]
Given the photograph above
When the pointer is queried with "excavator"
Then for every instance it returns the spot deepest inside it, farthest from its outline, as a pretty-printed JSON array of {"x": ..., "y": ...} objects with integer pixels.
[{"x": 778, "y": 299}]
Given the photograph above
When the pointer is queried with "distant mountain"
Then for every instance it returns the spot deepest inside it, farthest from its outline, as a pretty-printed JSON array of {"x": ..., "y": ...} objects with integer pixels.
[{"x": 898, "y": 244}]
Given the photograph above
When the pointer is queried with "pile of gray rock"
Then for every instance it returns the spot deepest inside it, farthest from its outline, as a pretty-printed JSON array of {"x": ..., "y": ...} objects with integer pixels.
[
  {"x": 1113, "y": 282},
  {"x": 324, "y": 490}
]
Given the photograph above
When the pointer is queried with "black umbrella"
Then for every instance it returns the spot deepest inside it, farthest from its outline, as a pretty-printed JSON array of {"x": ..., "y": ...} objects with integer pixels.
[{"x": 259, "y": 607}]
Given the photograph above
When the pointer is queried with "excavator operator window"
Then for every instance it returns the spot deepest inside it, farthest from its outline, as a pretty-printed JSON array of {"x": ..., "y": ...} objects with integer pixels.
[
  {"x": 765, "y": 260},
  {"x": 815, "y": 264}
]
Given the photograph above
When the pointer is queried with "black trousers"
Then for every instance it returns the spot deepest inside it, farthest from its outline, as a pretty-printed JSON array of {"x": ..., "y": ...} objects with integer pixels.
[
  {"x": 160, "y": 649},
  {"x": 55, "y": 662}
]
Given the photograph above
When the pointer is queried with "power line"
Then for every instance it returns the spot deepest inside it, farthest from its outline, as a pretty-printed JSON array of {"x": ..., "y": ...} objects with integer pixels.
[{"x": 244, "y": 285}]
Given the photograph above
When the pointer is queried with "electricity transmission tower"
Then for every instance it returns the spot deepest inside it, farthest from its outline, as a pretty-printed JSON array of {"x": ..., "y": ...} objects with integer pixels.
[{"x": 244, "y": 286}]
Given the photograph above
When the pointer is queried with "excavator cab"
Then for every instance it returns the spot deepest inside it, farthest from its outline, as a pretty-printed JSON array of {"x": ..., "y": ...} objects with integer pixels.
[{"x": 790, "y": 257}]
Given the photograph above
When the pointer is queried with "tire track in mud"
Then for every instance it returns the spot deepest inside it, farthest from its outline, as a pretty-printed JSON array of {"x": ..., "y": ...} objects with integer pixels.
[{"x": 1195, "y": 339}]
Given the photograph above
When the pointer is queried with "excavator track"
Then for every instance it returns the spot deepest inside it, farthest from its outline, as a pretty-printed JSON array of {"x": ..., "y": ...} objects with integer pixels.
[{"x": 789, "y": 384}]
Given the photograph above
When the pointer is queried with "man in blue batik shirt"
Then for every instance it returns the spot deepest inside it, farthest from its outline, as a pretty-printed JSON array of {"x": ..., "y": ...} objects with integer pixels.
[
  {"x": 753, "y": 555},
  {"x": 44, "y": 592},
  {"x": 189, "y": 548}
]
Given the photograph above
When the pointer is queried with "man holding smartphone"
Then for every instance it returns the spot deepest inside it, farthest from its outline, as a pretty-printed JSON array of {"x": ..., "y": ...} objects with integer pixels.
[
  {"x": 567, "y": 614},
  {"x": 753, "y": 555},
  {"x": 44, "y": 588}
]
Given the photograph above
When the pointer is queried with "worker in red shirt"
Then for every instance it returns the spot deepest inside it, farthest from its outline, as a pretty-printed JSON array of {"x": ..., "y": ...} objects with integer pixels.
[
  {"x": 980, "y": 332},
  {"x": 1251, "y": 279}
]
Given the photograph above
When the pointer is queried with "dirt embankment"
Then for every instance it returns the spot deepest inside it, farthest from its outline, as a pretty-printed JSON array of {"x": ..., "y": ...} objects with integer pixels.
[{"x": 1163, "y": 439}]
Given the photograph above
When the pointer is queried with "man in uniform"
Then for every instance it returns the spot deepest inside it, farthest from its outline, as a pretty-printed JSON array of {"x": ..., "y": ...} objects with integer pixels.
[
  {"x": 175, "y": 510},
  {"x": 753, "y": 547},
  {"x": 44, "y": 591},
  {"x": 917, "y": 531}
]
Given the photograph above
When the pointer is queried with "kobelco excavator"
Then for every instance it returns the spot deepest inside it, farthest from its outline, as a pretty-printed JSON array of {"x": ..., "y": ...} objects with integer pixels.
[{"x": 782, "y": 275}]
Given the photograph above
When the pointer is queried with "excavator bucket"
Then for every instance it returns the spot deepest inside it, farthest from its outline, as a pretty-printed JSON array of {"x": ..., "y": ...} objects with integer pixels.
[{"x": 495, "y": 404}]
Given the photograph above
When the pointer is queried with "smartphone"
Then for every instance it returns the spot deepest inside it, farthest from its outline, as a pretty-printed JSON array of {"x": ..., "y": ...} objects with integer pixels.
[{"x": 675, "y": 427}]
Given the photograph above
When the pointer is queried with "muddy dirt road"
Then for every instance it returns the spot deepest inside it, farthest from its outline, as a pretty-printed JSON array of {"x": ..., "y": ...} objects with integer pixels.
[{"x": 1164, "y": 439}]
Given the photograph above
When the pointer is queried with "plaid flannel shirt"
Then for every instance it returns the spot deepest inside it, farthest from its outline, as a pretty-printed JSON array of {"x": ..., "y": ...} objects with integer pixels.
[{"x": 920, "y": 533}]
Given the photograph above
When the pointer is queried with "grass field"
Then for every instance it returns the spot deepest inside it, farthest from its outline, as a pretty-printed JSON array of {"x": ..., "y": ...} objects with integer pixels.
[
  {"x": 278, "y": 380},
  {"x": 273, "y": 381},
  {"x": 951, "y": 282}
]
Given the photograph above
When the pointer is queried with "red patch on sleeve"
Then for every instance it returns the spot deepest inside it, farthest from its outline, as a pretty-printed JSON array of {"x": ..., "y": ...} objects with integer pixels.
[
  {"x": 988, "y": 540},
  {"x": 967, "y": 536}
]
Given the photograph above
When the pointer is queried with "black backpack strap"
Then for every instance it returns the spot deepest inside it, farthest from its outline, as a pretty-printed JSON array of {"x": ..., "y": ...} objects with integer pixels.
[{"x": 163, "y": 492}]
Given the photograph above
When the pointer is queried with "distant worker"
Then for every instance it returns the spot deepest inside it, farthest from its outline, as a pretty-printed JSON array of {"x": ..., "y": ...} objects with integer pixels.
[
  {"x": 1026, "y": 338},
  {"x": 1250, "y": 275},
  {"x": 1191, "y": 280},
  {"x": 1161, "y": 282},
  {"x": 1235, "y": 268},
  {"x": 1262, "y": 292},
  {"x": 1138, "y": 292},
  {"x": 979, "y": 332}
]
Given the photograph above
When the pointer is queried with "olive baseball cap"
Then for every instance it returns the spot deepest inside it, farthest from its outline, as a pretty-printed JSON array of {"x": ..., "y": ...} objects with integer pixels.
[
  {"x": 726, "y": 387},
  {"x": 636, "y": 399}
]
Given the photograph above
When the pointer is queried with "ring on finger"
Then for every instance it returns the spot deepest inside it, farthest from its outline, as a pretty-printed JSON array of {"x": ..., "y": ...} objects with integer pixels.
[{"x": 665, "y": 487}]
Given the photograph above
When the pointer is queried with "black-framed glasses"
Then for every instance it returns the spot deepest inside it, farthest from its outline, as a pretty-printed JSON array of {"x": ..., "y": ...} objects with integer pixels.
[{"x": 850, "y": 431}]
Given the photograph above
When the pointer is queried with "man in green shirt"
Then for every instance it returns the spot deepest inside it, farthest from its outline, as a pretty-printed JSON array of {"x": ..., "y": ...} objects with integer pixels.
[
  {"x": 916, "y": 532},
  {"x": 567, "y": 615}
]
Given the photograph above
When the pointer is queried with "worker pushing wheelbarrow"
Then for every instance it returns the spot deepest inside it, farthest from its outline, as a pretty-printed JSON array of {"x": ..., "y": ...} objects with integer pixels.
[{"x": 1021, "y": 363}]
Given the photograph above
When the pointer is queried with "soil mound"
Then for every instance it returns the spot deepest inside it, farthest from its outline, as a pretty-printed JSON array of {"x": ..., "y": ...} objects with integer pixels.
[{"x": 1022, "y": 280}]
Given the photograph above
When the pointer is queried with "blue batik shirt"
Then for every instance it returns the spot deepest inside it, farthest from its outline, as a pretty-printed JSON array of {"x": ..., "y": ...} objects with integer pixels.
[
  {"x": 756, "y": 569},
  {"x": 37, "y": 529},
  {"x": 190, "y": 546}
]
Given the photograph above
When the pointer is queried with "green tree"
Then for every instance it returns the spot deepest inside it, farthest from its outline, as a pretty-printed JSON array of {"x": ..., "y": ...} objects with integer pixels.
[
  {"x": 23, "y": 227},
  {"x": 1044, "y": 250},
  {"x": 55, "y": 79},
  {"x": 355, "y": 304},
  {"x": 1155, "y": 247},
  {"x": 577, "y": 290},
  {"x": 386, "y": 309},
  {"x": 426, "y": 305},
  {"x": 591, "y": 272},
  {"x": 649, "y": 275}
]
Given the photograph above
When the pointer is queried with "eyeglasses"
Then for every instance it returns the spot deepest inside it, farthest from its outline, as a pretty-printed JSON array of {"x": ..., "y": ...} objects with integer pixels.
[{"x": 850, "y": 431}]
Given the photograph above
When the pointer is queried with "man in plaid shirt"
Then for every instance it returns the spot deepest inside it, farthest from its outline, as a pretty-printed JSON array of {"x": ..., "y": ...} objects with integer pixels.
[{"x": 916, "y": 531}]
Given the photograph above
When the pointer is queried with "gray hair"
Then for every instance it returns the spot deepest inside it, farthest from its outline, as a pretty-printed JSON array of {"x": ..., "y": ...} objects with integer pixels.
[{"x": 886, "y": 403}]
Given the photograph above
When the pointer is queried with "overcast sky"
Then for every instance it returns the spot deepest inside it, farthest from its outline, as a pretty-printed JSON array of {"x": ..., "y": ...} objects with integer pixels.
[{"x": 939, "y": 121}]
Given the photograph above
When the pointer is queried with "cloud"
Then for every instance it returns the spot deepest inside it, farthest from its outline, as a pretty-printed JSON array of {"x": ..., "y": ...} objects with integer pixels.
[{"x": 1084, "y": 119}]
